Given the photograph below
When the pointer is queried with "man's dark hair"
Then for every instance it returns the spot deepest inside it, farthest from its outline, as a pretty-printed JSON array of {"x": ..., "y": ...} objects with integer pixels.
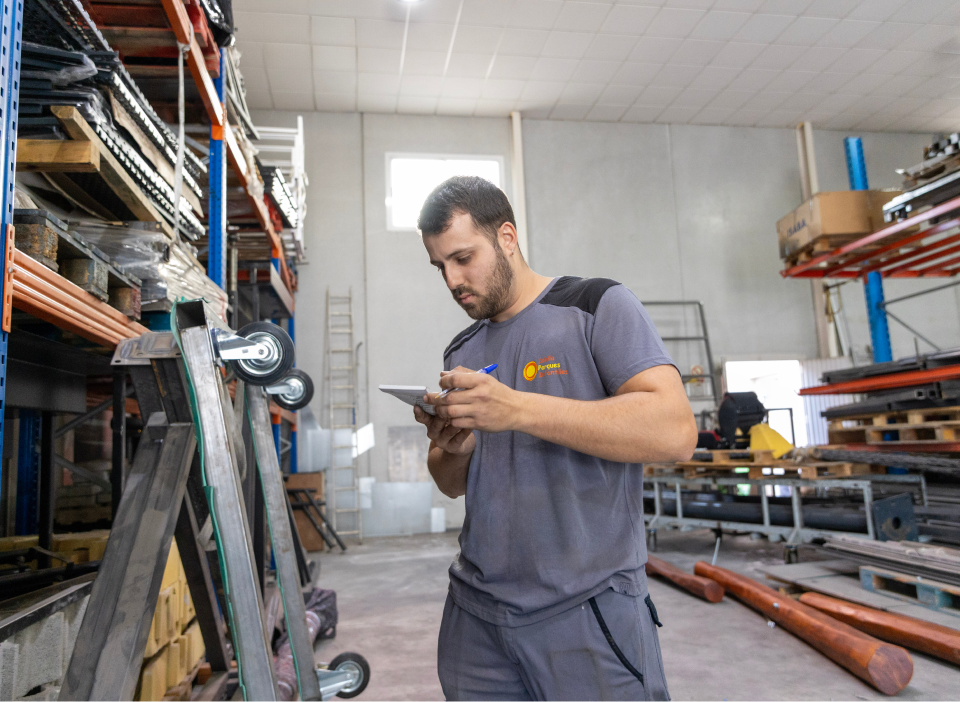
[{"x": 472, "y": 195}]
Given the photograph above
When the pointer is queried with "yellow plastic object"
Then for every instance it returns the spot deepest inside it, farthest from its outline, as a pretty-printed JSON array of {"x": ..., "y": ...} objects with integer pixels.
[{"x": 763, "y": 438}]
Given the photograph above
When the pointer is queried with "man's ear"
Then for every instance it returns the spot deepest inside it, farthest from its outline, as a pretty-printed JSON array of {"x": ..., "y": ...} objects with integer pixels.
[{"x": 507, "y": 236}]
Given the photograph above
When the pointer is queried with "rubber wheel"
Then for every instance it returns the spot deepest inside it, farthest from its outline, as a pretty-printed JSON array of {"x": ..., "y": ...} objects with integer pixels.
[
  {"x": 302, "y": 399},
  {"x": 266, "y": 372},
  {"x": 352, "y": 661}
]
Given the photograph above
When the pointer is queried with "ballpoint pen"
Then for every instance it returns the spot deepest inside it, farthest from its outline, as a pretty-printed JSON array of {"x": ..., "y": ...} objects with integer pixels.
[{"x": 488, "y": 369}]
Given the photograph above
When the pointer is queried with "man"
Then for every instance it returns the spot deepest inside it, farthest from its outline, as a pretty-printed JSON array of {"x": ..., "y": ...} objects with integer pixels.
[{"x": 548, "y": 596}]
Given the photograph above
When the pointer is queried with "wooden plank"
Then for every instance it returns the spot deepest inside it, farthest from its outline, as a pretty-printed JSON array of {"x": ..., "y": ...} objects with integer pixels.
[
  {"x": 111, "y": 170},
  {"x": 44, "y": 155}
]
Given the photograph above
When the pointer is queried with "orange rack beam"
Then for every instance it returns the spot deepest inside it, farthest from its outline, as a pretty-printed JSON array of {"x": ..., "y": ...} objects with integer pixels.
[
  {"x": 887, "y": 382},
  {"x": 896, "y": 251},
  {"x": 180, "y": 22},
  {"x": 39, "y": 291}
]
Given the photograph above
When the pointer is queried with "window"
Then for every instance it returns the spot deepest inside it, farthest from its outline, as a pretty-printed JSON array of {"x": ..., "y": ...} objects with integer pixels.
[
  {"x": 411, "y": 177},
  {"x": 776, "y": 384}
]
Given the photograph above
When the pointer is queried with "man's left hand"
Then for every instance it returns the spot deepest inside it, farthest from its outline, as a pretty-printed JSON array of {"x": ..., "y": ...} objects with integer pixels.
[{"x": 483, "y": 403}]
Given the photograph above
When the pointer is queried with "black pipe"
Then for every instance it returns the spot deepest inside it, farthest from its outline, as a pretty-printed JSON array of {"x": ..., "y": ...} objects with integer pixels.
[{"x": 828, "y": 517}]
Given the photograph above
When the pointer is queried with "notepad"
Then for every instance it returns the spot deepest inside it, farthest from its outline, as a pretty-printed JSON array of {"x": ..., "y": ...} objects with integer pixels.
[{"x": 411, "y": 394}]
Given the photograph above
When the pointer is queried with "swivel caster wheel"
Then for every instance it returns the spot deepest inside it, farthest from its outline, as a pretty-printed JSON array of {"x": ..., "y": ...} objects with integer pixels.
[
  {"x": 276, "y": 360},
  {"x": 357, "y": 666},
  {"x": 294, "y": 391}
]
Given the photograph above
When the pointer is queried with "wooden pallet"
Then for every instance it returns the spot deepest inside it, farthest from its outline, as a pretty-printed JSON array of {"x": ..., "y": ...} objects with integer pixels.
[
  {"x": 911, "y": 588},
  {"x": 923, "y": 426},
  {"x": 759, "y": 470}
]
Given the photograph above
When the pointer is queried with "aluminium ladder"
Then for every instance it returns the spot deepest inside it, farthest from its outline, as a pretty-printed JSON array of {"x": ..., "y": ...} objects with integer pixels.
[{"x": 342, "y": 482}]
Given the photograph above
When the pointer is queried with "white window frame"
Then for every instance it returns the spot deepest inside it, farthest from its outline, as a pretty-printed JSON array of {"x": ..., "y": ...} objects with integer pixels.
[{"x": 390, "y": 155}]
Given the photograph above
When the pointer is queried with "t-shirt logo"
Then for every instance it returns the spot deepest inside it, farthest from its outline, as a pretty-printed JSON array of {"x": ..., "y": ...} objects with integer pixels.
[
  {"x": 542, "y": 368},
  {"x": 530, "y": 370}
]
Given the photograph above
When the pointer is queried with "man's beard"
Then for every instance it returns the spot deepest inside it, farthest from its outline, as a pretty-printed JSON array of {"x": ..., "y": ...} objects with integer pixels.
[{"x": 497, "y": 298}]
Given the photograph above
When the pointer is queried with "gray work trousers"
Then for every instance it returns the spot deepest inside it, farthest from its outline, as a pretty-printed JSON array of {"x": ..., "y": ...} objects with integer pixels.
[{"x": 564, "y": 657}]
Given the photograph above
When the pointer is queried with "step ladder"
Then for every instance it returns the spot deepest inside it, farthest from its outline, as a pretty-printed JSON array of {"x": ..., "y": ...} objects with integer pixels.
[
  {"x": 343, "y": 486},
  {"x": 189, "y": 470}
]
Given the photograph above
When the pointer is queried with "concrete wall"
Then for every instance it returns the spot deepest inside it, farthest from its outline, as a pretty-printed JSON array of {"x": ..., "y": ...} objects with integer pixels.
[{"x": 674, "y": 212}]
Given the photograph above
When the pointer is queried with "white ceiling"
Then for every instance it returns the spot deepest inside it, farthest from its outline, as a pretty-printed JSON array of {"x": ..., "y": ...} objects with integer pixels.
[{"x": 842, "y": 64}]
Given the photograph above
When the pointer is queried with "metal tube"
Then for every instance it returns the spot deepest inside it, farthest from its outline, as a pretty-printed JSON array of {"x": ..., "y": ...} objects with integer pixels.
[
  {"x": 912, "y": 330},
  {"x": 679, "y": 501},
  {"x": 275, "y": 499},
  {"x": 83, "y": 418},
  {"x": 795, "y": 504},
  {"x": 868, "y": 506},
  {"x": 234, "y": 542},
  {"x": 119, "y": 449},
  {"x": 48, "y": 488},
  {"x": 764, "y": 505}
]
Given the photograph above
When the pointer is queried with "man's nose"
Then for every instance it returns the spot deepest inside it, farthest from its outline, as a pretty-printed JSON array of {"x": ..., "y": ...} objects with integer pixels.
[{"x": 454, "y": 279}]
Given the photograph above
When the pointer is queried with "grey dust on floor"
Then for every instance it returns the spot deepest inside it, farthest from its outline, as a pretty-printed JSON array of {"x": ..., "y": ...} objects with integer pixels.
[{"x": 391, "y": 590}]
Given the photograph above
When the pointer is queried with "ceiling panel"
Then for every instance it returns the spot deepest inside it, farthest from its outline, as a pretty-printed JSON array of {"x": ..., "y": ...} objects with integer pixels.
[{"x": 866, "y": 64}]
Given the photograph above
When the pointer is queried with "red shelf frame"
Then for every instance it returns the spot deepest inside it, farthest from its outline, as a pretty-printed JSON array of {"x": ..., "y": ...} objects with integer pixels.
[{"x": 895, "y": 251}]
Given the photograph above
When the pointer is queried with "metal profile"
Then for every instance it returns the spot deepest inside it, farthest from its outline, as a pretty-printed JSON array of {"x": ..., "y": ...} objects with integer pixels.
[{"x": 52, "y": 298}]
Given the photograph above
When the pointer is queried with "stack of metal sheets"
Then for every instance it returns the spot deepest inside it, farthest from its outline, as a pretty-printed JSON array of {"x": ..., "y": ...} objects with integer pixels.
[{"x": 61, "y": 46}]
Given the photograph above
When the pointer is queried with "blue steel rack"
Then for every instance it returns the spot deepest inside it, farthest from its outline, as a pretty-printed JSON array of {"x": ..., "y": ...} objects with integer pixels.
[{"x": 11, "y": 31}]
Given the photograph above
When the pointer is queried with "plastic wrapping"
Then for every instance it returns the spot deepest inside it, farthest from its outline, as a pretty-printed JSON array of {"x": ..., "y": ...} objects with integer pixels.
[{"x": 169, "y": 270}]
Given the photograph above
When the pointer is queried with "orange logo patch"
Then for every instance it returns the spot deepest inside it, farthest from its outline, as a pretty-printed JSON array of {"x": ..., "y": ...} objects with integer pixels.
[{"x": 542, "y": 367}]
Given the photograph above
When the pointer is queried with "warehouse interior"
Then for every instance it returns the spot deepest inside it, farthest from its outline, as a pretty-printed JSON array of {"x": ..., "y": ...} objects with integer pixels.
[{"x": 221, "y": 298}]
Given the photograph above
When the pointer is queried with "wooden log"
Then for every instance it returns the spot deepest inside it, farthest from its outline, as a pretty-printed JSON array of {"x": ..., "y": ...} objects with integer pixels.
[
  {"x": 885, "y": 666},
  {"x": 704, "y": 588},
  {"x": 926, "y": 637}
]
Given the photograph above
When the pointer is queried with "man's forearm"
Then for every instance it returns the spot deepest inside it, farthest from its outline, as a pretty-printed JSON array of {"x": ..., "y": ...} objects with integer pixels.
[
  {"x": 449, "y": 470},
  {"x": 636, "y": 427}
]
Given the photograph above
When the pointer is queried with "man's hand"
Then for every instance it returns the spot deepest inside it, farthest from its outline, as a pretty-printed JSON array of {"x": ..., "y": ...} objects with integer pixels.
[
  {"x": 483, "y": 403},
  {"x": 444, "y": 435}
]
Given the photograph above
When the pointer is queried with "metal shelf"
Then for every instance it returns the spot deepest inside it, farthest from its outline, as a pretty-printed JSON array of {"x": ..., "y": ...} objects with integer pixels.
[
  {"x": 916, "y": 247},
  {"x": 52, "y": 298},
  {"x": 220, "y": 128}
]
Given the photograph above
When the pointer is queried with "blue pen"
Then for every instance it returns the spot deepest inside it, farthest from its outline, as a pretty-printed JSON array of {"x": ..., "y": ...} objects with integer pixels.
[{"x": 489, "y": 369}]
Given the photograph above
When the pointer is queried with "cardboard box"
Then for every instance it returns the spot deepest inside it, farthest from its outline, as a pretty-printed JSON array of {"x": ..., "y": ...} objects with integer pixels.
[
  {"x": 841, "y": 216},
  {"x": 312, "y": 541}
]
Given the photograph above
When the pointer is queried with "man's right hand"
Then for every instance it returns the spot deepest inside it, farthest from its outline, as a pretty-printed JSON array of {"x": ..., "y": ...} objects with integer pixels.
[{"x": 459, "y": 442}]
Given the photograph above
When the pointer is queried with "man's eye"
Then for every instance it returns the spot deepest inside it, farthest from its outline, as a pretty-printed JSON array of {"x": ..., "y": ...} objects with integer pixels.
[{"x": 463, "y": 261}]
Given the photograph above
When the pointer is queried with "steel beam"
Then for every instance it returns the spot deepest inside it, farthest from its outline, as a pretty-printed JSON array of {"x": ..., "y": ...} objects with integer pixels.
[
  {"x": 281, "y": 537},
  {"x": 11, "y": 30},
  {"x": 108, "y": 654},
  {"x": 118, "y": 462},
  {"x": 217, "y": 227},
  {"x": 199, "y": 580},
  {"x": 887, "y": 382},
  {"x": 225, "y": 497}
]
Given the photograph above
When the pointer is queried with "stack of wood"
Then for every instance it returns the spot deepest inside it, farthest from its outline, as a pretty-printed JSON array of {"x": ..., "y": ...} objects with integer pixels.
[{"x": 758, "y": 464}]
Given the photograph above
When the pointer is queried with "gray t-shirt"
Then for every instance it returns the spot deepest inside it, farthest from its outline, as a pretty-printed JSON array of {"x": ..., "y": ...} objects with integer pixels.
[{"x": 548, "y": 527}]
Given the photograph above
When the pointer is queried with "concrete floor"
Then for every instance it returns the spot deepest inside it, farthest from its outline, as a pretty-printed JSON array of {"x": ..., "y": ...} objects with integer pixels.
[{"x": 391, "y": 591}]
